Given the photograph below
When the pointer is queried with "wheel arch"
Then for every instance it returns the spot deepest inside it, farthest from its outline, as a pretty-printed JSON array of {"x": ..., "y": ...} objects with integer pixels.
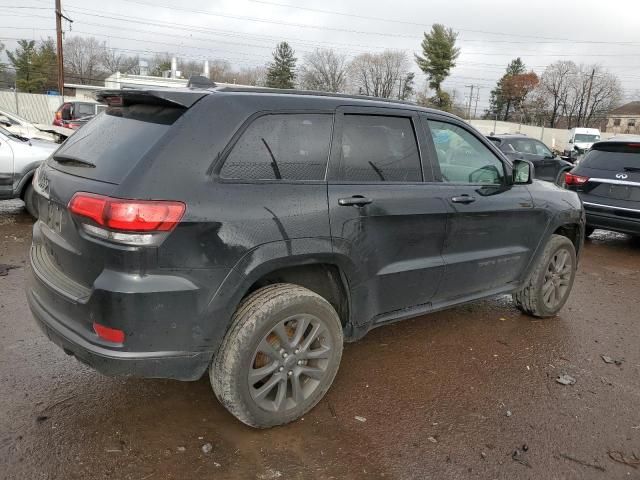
[{"x": 309, "y": 263}]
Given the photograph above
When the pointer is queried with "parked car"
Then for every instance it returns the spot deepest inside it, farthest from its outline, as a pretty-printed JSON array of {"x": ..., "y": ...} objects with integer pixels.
[
  {"x": 251, "y": 232},
  {"x": 19, "y": 158},
  {"x": 608, "y": 182},
  {"x": 75, "y": 114},
  {"x": 24, "y": 128},
  {"x": 548, "y": 166}
]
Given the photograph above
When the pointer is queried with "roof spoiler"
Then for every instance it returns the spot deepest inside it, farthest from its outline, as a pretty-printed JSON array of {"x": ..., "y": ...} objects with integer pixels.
[{"x": 168, "y": 97}]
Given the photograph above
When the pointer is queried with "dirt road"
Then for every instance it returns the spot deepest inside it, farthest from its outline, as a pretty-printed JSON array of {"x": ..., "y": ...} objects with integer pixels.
[{"x": 467, "y": 393}]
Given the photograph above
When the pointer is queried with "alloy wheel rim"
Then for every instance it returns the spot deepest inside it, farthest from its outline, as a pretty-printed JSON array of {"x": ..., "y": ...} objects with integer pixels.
[
  {"x": 556, "y": 279},
  {"x": 289, "y": 363}
]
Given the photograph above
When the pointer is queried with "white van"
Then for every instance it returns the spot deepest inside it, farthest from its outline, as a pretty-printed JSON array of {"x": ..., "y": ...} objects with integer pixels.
[{"x": 581, "y": 139}]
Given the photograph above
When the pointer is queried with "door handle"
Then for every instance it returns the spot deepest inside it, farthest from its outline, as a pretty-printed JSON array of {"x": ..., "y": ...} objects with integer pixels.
[
  {"x": 464, "y": 198},
  {"x": 355, "y": 201}
]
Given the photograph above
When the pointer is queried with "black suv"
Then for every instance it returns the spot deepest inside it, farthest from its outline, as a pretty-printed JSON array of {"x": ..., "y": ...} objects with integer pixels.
[
  {"x": 608, "y": 182},
  {"x": 252, "y": 232},
  {"x": 548, "y": 166}
]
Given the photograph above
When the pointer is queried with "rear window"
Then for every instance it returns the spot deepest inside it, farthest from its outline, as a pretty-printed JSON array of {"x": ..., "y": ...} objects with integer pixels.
[
  {"x": 83, "y": 109},
  {"x": 111, "y": 144},
  {"x": 613, "y": 157}
]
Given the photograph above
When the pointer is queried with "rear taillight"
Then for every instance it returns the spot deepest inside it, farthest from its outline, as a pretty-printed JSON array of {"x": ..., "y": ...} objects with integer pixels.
[
  {"x": 133, "y": 222},
  {"x": 571, "y": 179},
  {"x": 109, "y": 334}
]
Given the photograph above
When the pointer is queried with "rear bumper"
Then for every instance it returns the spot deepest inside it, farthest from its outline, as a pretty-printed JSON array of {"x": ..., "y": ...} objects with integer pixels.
[
  {"x": 610, "y": 218},
  {"x": 175, "y": 365},
  {"x": 168, "y": 334}
]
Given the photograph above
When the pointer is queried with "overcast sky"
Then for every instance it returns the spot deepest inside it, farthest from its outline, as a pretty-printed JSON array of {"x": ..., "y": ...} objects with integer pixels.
[{"x": 491, "y": 32}]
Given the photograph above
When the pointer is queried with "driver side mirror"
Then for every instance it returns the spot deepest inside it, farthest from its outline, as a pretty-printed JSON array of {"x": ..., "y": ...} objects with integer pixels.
[
  {"x": 4, "y": 121},
  {"x": 571, "y": 140},
  {"x": 523, "y": 171}
]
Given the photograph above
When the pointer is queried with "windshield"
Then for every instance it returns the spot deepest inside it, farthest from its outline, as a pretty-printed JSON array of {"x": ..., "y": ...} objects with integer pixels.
[{"x": 586, "y": 138}]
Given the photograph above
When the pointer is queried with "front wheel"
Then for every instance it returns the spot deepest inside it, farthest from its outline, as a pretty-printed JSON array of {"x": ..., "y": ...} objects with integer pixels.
[
  {"x": 549, "y": 285},
  {"x": 279, "y": 357}
]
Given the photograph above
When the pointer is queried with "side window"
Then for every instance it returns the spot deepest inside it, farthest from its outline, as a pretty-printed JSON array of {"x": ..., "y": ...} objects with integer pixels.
[
  {"x": 462, "y": 157},
  {"x": 66, "y": 111},
  {"x": 281, "y": 147},
  {"x": 541, "y": 149},
  {"x": 377, "y": 148}
]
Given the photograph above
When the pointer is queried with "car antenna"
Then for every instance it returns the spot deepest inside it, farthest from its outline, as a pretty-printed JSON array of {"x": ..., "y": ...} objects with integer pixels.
[{"x": 199, "y": 81}]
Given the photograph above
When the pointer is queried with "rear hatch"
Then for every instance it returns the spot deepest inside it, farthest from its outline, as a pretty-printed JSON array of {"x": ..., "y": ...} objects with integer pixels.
[
  {"x": 96, "y": 160},
  {"x": 613, "y": 172}
]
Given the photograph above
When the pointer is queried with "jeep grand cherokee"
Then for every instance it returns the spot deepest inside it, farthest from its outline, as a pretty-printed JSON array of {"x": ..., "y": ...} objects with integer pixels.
[{"x": 251, "y": 232}]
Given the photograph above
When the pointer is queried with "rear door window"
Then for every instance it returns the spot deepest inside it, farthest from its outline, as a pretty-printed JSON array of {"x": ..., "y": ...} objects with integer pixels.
[
  {"x": 378, "y": 148},
  {"x": 281, "y": 147},
  {"x": 110, "y": 145}
]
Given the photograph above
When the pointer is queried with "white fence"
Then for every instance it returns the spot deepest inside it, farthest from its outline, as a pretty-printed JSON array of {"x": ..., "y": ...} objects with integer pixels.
[
  {"x": 552, "y": 137},
  {"x": 36, "y": 108}
]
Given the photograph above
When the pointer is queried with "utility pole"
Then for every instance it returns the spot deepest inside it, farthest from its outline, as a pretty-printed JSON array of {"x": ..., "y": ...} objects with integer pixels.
[
  {"x": 586, "y": 107},
  {"x": 59, "y": 17},
  {"x": 470, "y": 99},
  {"x": 475, "y": 111}
]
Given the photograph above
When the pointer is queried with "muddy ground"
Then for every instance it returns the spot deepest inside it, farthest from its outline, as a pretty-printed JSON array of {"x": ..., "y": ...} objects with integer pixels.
[{"x": 466, "y": 393}]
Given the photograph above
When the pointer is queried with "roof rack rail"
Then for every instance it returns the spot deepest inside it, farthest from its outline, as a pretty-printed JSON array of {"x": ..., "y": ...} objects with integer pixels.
[{"x": 283, "y": 91}]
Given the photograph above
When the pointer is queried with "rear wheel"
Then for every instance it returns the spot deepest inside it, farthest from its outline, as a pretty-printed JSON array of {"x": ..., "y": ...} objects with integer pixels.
[
  {"x": 550, "y": 283},
  {"x": 588, "y": 231},
  {"x": 30, "y": 201},
  {"x": 279, "y": 357}
]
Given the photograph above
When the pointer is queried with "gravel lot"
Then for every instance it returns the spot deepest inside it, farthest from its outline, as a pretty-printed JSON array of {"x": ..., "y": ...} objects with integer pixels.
[{"x": 466, "y": 393}]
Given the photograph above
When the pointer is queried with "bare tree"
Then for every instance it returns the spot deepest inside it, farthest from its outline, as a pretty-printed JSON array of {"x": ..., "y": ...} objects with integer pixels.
[
  {"x": 218, "y": 70},
  {"x": 554, "y": 88},
  {"x": 593, "y": 91},
  {"x": 83, "y": 57},
  {"x": 187, "y": 68},
  {"x": 159, "y": 63},
  {"x": 324, "y": 70},
  {"x": 379, "y": 74},
  {"x": 113, "y": 61}
]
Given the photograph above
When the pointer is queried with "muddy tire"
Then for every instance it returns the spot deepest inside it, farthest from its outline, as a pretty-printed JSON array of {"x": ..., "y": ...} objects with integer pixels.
[
  {"x": 549, "y": 285},
  {"x": 279, "y": 356},
  {"x": 30, "y": 201}
]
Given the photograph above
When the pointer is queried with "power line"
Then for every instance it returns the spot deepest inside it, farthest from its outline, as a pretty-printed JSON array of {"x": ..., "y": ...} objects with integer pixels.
[{"x": 333, "y": 12}]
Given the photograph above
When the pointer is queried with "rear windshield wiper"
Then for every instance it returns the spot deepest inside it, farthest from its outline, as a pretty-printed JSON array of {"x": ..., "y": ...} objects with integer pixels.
[
  {"x": 73, "y": 161},
  {"x": 632, "y": 169},
  {"x": 274, "y": 164},
  {"x": 377, "y": 170}
]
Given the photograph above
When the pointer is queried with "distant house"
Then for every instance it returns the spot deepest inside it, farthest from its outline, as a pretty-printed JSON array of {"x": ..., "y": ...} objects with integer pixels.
[{"x": 624, "y": 119}]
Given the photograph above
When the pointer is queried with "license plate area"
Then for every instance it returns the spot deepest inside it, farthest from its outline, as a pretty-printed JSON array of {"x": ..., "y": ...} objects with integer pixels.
[{"x": 54, "y": 217}]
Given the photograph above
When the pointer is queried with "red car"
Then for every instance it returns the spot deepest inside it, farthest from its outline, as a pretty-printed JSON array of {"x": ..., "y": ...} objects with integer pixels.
[{"x": 75, "y": 114}]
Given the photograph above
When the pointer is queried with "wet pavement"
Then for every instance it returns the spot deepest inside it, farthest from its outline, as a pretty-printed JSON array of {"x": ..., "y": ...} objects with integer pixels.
[{"x": 466, "y": 393}]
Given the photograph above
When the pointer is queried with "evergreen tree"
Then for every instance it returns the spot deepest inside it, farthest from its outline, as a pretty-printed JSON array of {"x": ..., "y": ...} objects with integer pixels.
[
  {"x": 439, "y": 54},
  {"x": 35, "y": 65},
  {"x": 500, "y": 102},
  {"x": 281, "y": 72}
]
